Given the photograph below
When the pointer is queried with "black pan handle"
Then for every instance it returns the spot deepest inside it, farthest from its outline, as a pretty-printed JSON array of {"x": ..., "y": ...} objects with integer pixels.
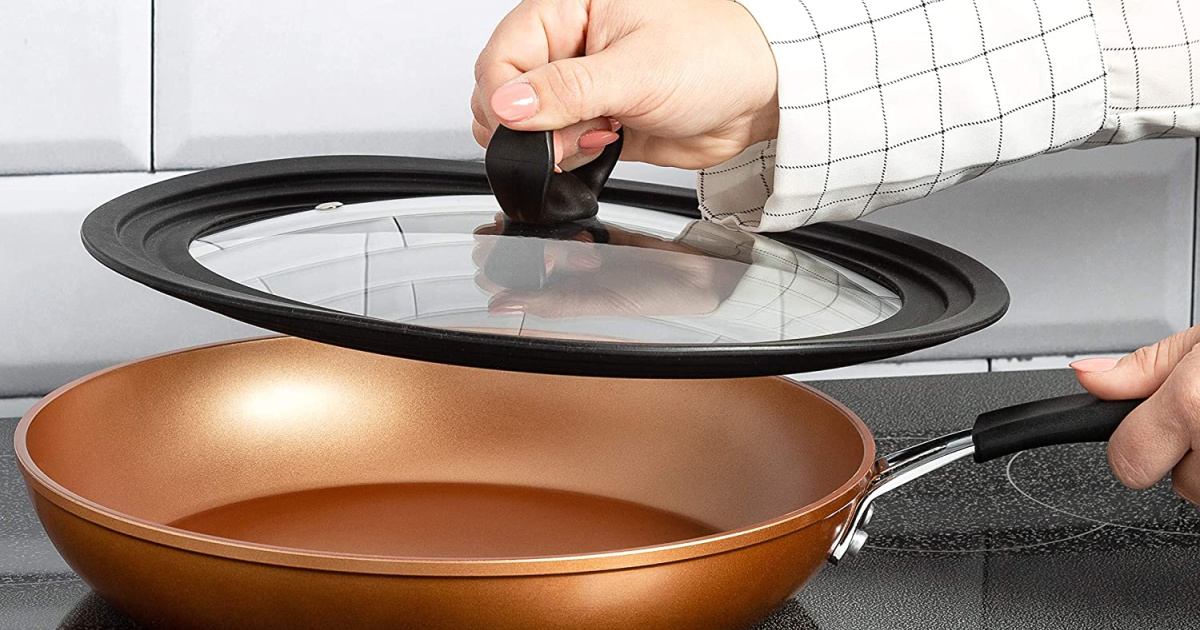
[
  {"x": 520, "y": 170},
  {"x": 1062, "y": 420}
]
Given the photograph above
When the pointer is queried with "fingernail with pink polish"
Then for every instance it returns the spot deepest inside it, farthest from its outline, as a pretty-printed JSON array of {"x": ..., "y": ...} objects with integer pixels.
[
  {"x": 515, "y": 102},
  {"x": 597, "y": 139},
  {"x": 558, "y": 147},
  {"x": 614, "y": 124},
  {"x": 1098, "y": 364}
]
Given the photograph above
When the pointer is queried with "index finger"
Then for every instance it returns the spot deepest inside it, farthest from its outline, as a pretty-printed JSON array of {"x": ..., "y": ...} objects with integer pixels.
[
  {"x": 532, "y": 35},
  {"x": 1158, "y": 433}
]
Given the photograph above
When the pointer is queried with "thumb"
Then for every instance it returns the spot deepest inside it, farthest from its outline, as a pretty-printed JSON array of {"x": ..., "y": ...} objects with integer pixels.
[
  {"x": 1139, "y": 374},
  {"x": 562, "y": 93}
]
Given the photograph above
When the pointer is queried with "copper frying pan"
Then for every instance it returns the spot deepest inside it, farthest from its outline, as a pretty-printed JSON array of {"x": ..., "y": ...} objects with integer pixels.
[{"x": 281, "y": 483}]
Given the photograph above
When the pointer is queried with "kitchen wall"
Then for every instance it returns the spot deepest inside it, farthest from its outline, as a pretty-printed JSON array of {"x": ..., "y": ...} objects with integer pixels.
[{"x": 103, "y": 97}]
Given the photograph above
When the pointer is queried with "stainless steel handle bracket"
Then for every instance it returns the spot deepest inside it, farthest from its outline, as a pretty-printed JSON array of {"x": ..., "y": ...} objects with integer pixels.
[{"x": 895, "y": 470}]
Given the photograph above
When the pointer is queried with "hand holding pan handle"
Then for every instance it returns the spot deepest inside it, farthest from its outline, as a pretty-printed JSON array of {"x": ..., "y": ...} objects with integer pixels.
[
  {"x": 1063, "y": 420},
  {"x": 520, "y": 170}
]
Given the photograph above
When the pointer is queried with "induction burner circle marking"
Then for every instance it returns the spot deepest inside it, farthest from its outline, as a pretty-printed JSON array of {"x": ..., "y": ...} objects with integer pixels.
[
  {"x": 1075, "y": 481},
  {"x": 1020, "y": 547},
  {"x": 965, "y": 510}
]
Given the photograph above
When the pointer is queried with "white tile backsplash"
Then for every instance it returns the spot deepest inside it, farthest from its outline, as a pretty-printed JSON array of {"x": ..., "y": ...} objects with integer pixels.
[
  {"x": 75, "y": 79},
  {"x": 1095, "y": 247},
  {"x": 640, "y": 172},
  {"x": 884, "y": 370},
  {"x": 1057, "y": 362}
]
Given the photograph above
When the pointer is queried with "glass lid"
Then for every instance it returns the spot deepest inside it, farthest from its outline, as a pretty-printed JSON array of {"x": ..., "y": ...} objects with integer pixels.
[
  {"x": 414, "y": 258},
  {"x": 628, "y": 275}
]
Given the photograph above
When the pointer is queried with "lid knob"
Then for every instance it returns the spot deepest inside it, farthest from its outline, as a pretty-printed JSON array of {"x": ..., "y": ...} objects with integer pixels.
[{"x": 520, "y": 170}]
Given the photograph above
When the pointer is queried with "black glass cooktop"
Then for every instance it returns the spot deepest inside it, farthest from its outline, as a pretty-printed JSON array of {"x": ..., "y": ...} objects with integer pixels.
[{"x": 1044, "y": 539}]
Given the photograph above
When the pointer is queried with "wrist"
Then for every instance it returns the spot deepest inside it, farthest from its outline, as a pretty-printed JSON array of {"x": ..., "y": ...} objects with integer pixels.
[
  {"x": 764, "y": 123},
  {"x": 763, "y": 96}
]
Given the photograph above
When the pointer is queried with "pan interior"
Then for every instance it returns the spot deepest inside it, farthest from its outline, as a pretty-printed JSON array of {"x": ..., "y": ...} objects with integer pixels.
[
  {"x": 445, "y": 520},
  {"x": 295, "y": 444}
]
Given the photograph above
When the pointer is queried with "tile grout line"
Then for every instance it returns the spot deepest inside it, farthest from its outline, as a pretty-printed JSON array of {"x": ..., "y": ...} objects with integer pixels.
[
  {"x": 18, "y": 174},
  {"x": 153, "y": 46},
  {"x": 1195, "y": 224}
]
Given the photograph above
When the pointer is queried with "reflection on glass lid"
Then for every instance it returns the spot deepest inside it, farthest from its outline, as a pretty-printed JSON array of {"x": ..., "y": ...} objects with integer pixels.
[{"x": 628, "y": 275}]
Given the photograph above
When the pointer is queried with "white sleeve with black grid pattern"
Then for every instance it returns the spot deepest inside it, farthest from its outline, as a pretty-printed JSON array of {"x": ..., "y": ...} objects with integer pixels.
[
  {"x": 1152, "y": 51},
  {"x": 884, "y": 101}
]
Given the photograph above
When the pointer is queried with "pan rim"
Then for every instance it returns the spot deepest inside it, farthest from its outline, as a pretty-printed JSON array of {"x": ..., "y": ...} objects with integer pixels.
[{"x": 47, "y": 488}]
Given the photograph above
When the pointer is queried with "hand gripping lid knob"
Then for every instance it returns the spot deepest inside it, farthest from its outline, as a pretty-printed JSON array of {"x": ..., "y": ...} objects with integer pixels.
[{"x": 520, "y": 170}]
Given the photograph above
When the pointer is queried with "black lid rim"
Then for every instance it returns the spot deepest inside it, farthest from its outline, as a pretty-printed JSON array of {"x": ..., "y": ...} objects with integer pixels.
[{"x": 145, "y": 235}]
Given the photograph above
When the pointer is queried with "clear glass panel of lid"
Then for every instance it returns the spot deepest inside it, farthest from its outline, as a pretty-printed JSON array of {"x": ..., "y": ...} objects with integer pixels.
[{"x": 629, "y": 275}]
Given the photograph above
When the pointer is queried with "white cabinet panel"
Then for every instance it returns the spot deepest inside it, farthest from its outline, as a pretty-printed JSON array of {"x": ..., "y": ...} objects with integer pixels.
[
  {"x": 76, "y": 82},
  {"x": 62, "y": 313},
  {"x": 1095, "y": 246},
  {"x": 237, "y": 81},
  {"x": 243, "y": 81}
]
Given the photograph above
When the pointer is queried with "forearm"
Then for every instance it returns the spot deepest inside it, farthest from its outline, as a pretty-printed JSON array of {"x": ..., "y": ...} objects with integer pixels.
[{"x": 881, "y": 103}]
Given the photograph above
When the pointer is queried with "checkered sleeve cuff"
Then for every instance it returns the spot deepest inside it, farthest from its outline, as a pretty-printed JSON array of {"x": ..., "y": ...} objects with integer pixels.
[
  {"x": 882, "y": 102},
  {"x": 1151, "y": 50}
]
